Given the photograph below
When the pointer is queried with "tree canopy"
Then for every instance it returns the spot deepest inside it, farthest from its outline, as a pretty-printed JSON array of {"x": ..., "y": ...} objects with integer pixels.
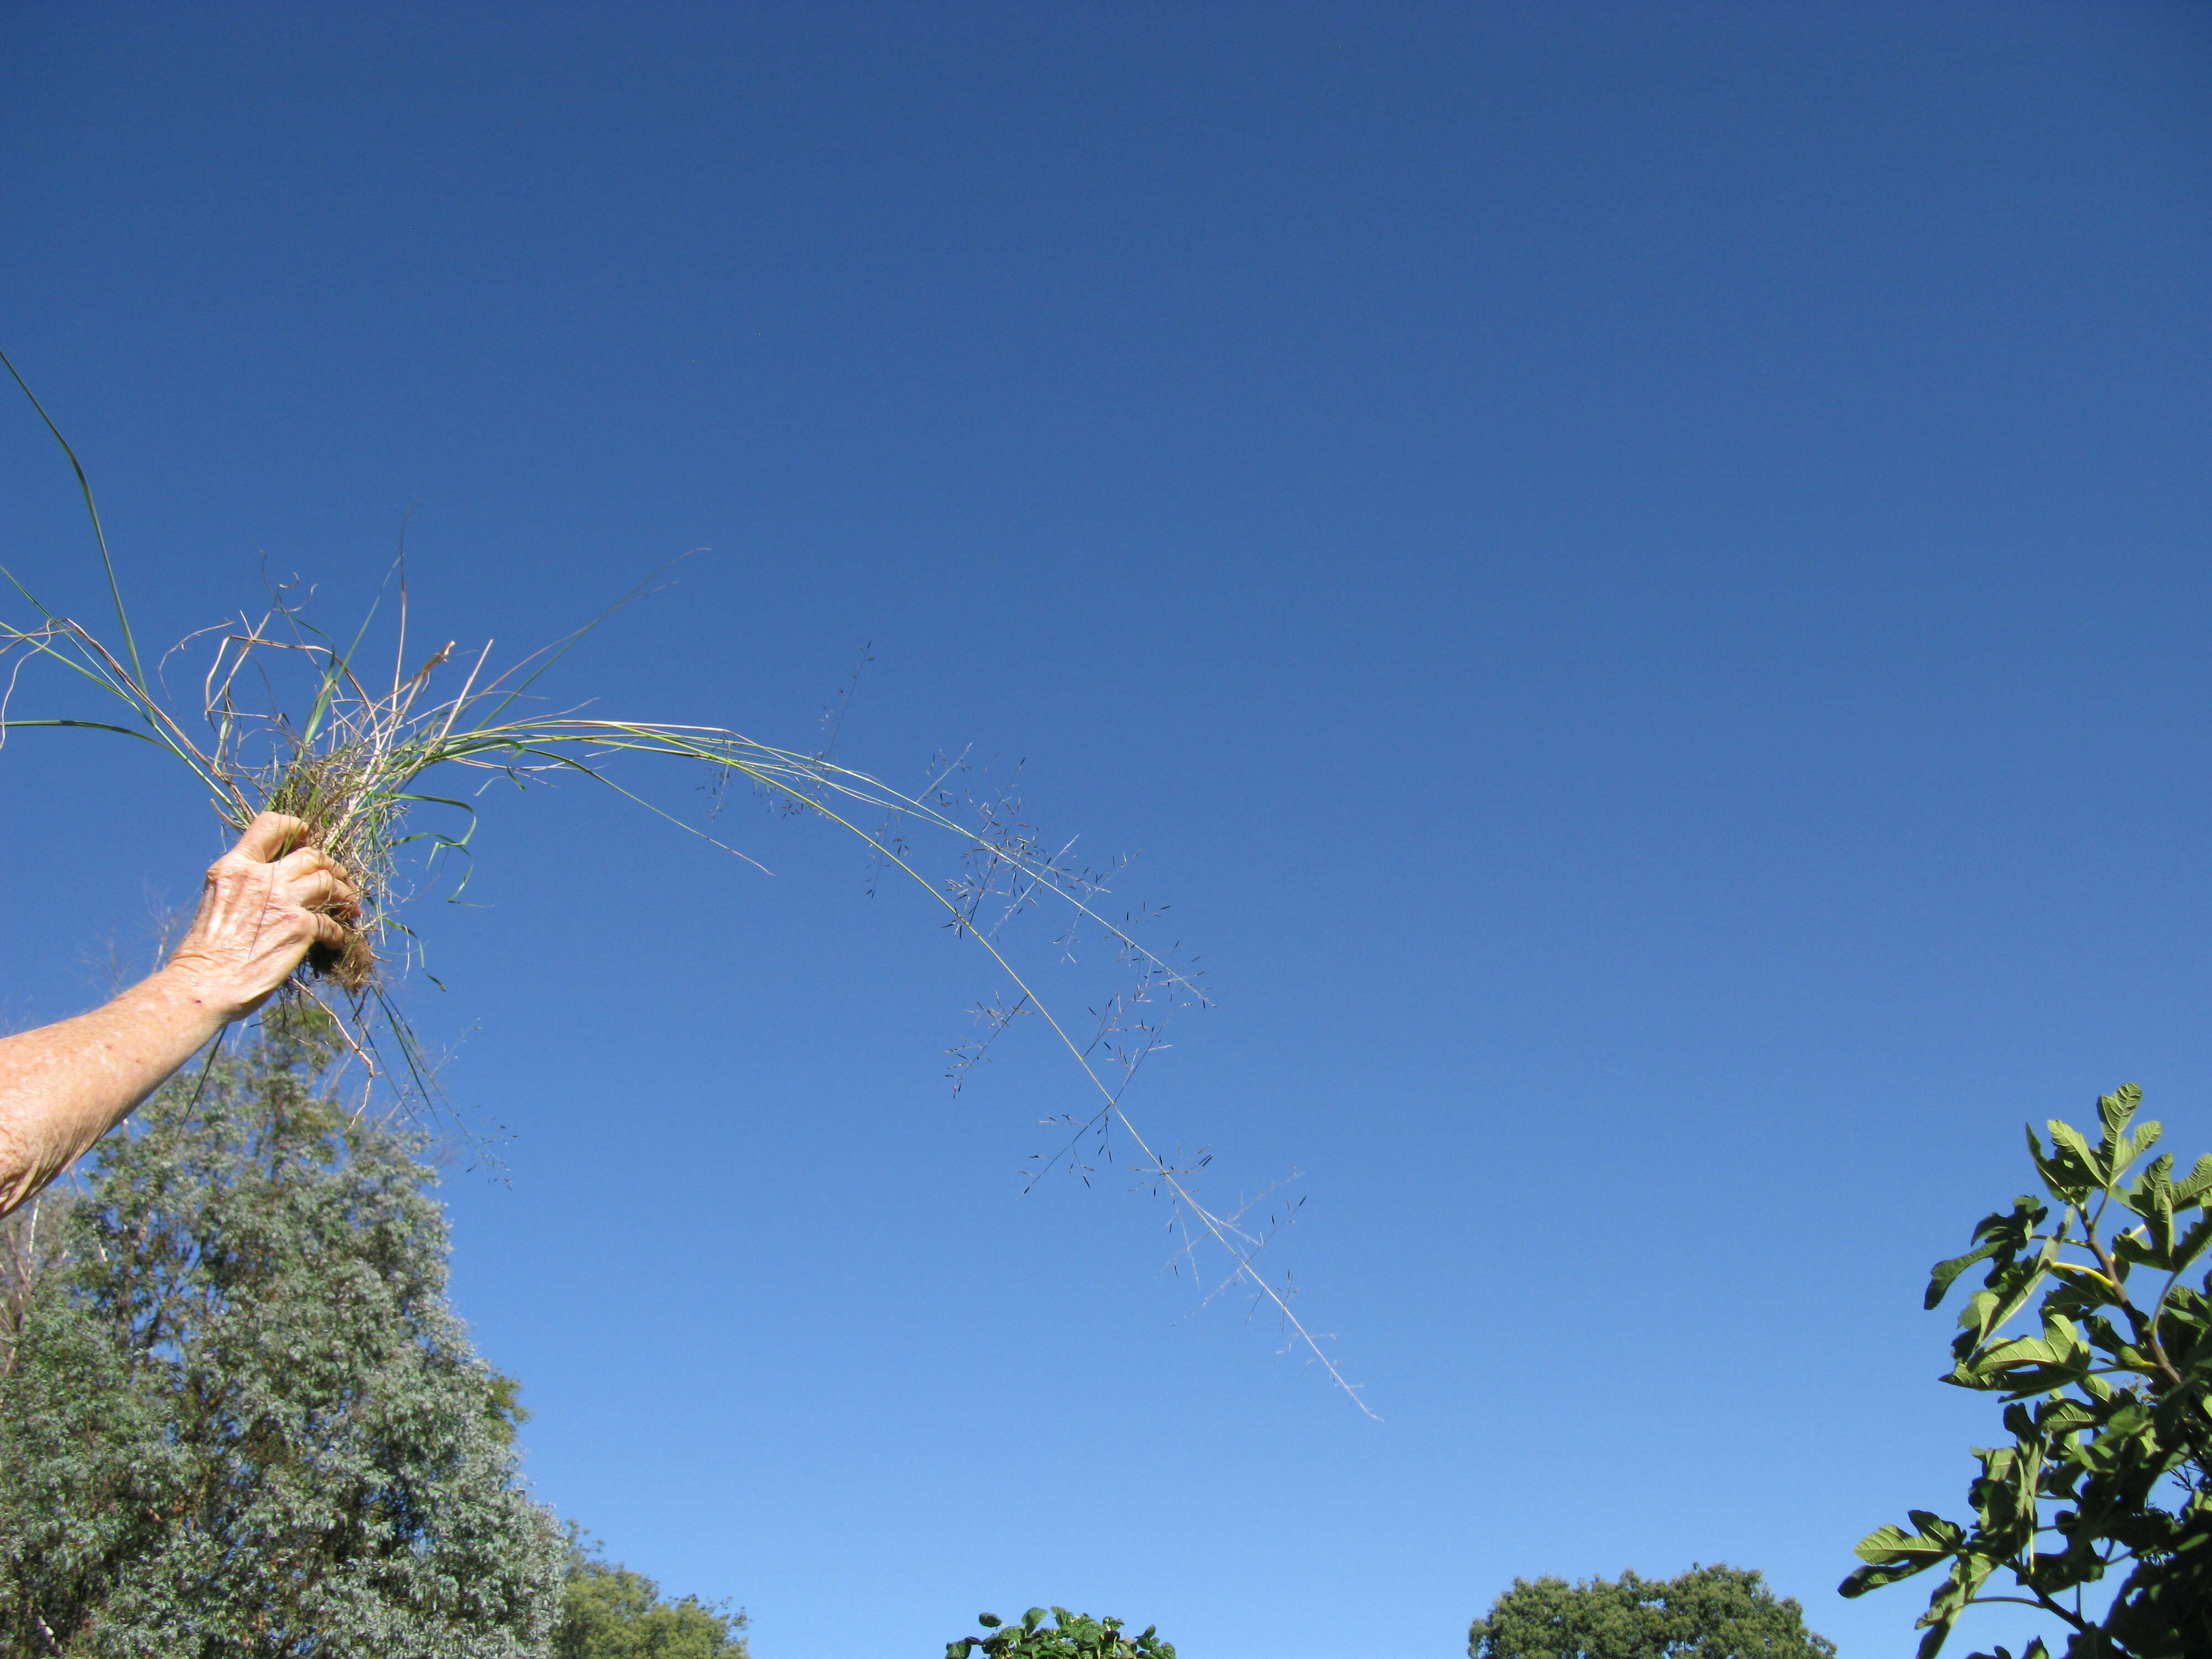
[
  {"x": 1707, "y": 1613},
  {"x": 608, "y": 1612},
  {"x": 238, "y": 1416}
]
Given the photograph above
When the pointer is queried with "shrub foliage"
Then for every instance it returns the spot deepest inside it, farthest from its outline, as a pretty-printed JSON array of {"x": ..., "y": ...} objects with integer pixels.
[
  {"x": 2107, "y": 1398},
  {"x": 1070, "y": 1635}
]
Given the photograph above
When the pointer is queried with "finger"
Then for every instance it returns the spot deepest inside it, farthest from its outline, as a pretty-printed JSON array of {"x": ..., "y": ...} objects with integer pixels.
[
  {"x": 329, "y": 931},
  {"x": 307, "y": 861},
  {"x": 268, "y": 835},
  {"x": 322, "y": 890}
]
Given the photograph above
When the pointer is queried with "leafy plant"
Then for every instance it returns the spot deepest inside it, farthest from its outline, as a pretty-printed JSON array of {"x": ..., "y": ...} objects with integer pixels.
[
  {"x": 1070, "y": 1635},
  {"x": 1708, "y": 1613},
  {"x": 357, "y": 752},
  {"x": 2108, "y": 1399}
]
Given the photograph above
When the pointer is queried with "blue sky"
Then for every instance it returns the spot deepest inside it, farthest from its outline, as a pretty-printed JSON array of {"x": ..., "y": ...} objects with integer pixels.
[{"x": 1636, "y": 575}]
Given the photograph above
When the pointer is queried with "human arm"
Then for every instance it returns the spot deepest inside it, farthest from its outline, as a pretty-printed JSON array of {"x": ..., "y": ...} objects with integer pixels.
[{"x": 65, "y": 1085}]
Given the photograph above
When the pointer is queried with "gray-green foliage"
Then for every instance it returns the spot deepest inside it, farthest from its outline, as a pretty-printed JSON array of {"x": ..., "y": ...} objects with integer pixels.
[
  {"x": 240, "y": 1418},
  {"x": 1070, "y": 1635},
  {"x": 1707, "y": 1613},
  {"x": 608, "y": 1612},
  {"x": 2108, "y": 1402}
]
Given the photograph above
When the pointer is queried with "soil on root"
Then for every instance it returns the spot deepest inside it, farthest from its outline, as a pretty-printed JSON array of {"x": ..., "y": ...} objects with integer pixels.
[{"x": 352, "y": 964}]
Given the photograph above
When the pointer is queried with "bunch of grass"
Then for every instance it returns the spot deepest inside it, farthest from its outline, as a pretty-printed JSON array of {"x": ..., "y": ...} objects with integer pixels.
[{"x": 355, "y": 766}]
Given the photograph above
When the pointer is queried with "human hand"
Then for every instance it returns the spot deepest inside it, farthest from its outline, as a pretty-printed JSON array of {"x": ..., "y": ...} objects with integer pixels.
[{"x": 261, "y": 911}]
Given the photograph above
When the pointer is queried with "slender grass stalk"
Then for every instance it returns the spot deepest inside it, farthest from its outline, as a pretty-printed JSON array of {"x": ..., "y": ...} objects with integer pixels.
[{"x": 365, "y": 755}]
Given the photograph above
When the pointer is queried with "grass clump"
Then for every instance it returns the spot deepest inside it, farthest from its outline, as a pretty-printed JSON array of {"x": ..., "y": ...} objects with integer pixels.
[{"x": 293, "y": 720}]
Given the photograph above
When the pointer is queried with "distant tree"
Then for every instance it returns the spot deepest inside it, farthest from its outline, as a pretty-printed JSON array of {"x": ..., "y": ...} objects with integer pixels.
[
  {"x": 238, "y": 1417},
  {"x": 1070, "y": 1635},
  {"x": 2108, "y": 1400},
  {"x": 1707, "y": 1613},
  {"x": 608, "y": 1612}
]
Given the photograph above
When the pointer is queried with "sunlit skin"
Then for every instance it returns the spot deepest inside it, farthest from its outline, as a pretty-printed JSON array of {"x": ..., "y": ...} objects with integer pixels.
[{"x": 65, "y": 1085}]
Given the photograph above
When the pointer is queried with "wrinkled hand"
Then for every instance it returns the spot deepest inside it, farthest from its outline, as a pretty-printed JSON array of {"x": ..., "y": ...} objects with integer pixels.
[{"x": 261, "y": 911}]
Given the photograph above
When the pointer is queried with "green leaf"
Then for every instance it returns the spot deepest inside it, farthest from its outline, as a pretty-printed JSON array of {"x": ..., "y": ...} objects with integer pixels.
[
  {"x": 2080, "y": 1168},
  {"x": 2136, "y": 1248},
  {"x": 2018, "y": 1350},
  {"x": 2116, "y": 1109},
  {"x": 1932, "y": 1540},
  {"x": 2186, "y": 1192},
  {"x": 2008, "y": 1292},
  {"x": 2027, "y": 1365},
  {"x": 2063, "y": 1415},
  {"x": 2190, "y": 1244},
  {"x": 2144, "y": 1192},
  {"x": 1941, "y": 1275}
]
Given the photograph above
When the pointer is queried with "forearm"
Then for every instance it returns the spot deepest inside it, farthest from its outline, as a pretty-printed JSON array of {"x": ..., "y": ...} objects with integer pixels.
[{"x": 64, "y": 1086}]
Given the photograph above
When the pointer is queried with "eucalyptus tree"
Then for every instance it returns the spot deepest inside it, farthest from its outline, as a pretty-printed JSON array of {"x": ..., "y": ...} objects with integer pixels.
[{"x": 238, "y": 1416}]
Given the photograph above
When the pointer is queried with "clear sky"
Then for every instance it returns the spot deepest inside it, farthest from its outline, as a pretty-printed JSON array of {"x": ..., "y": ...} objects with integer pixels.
[{"x": 1636, "y": 573}]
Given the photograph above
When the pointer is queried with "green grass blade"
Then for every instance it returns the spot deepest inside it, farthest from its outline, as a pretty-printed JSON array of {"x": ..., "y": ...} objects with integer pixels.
[
  {"x": 84, "y": 484},
  {"x": 90, "y": 725}
]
